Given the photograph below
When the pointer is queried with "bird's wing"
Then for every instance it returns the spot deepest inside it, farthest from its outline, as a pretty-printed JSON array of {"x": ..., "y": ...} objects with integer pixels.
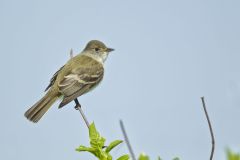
[
  {"x": 53, "y": 79},
  {"x": 80, "y": 81}
]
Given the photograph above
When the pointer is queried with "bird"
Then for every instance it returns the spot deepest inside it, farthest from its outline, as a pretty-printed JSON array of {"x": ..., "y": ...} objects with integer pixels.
[{"x": 78, "y": 76}]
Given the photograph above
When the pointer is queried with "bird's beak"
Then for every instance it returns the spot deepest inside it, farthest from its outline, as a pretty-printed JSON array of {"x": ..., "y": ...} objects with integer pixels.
[{"x": 110, "y": 49}]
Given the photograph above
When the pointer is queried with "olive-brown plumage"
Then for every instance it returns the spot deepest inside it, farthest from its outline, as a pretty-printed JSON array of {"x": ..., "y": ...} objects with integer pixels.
[{"x": 78, "y": 76}]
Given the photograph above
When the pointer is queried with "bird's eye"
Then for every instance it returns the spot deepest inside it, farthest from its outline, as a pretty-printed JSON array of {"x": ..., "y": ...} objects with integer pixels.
[{"x": 96, "y": 49}]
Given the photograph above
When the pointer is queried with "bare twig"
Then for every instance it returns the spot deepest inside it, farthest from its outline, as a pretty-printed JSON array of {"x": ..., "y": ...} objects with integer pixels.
[
  {"x": 210, "y": 128},
  {"x": 78, "y": 105},
  {"x": 127, "y": 140}
]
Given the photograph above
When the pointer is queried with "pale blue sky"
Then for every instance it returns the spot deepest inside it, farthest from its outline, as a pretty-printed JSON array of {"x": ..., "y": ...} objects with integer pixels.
[{"x": 168, "y": 54}]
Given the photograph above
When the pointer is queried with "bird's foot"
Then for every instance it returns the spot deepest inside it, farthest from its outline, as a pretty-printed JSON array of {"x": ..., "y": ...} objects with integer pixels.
[{"x": 78, "y": 105}]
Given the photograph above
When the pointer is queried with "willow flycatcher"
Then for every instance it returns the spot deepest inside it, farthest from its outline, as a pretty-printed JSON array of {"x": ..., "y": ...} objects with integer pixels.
[{"x": 78, "y": 76}]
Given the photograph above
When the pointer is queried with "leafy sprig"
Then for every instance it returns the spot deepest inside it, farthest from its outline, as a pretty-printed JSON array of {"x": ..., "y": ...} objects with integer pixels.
[
  {"x": 143, "y": 156},
  {"x": 97, "y": 146}
]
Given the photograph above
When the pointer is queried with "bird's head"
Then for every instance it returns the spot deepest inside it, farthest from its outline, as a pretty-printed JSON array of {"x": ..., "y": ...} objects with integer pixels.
[{"x": 98, "y": 48}]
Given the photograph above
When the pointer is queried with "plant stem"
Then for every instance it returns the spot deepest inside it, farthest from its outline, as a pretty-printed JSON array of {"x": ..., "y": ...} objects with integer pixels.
[
  {"x": 210, "y": 128},
  {"x": 127, "y": 140},
  {"x": 78, "y": 107}
]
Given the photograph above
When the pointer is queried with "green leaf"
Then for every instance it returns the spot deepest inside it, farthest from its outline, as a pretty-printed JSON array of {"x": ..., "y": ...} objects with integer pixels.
[
  {"x": 96, "y": 141},
  {"x": 143, "y": 156},
  {"x": 232, "y": 156},
  {"x": 93, "y": 133},
  {"x": 159, "y": 158},
  {"x": 176, "y": 158},
  {"x": 104, "y": 156},
  {"x": 113, "y": 145},
  {"x": 124, "y": 157},
  {"x": 83, "y": 149}
]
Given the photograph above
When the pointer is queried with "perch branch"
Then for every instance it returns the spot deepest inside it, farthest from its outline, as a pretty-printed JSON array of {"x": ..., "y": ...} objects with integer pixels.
[{"x": 78, "y": 107}]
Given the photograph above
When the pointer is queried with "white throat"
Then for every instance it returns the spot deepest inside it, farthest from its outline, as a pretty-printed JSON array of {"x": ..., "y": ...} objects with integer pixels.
[{"x": 98, "y": 57}]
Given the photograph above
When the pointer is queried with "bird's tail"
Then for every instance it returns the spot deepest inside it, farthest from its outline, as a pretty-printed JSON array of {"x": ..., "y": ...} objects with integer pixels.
[{"x": 36, "y": 112}]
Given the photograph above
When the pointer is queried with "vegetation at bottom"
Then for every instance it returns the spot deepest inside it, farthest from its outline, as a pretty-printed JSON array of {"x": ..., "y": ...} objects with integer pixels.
[{"x": 98, "y": 149}]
